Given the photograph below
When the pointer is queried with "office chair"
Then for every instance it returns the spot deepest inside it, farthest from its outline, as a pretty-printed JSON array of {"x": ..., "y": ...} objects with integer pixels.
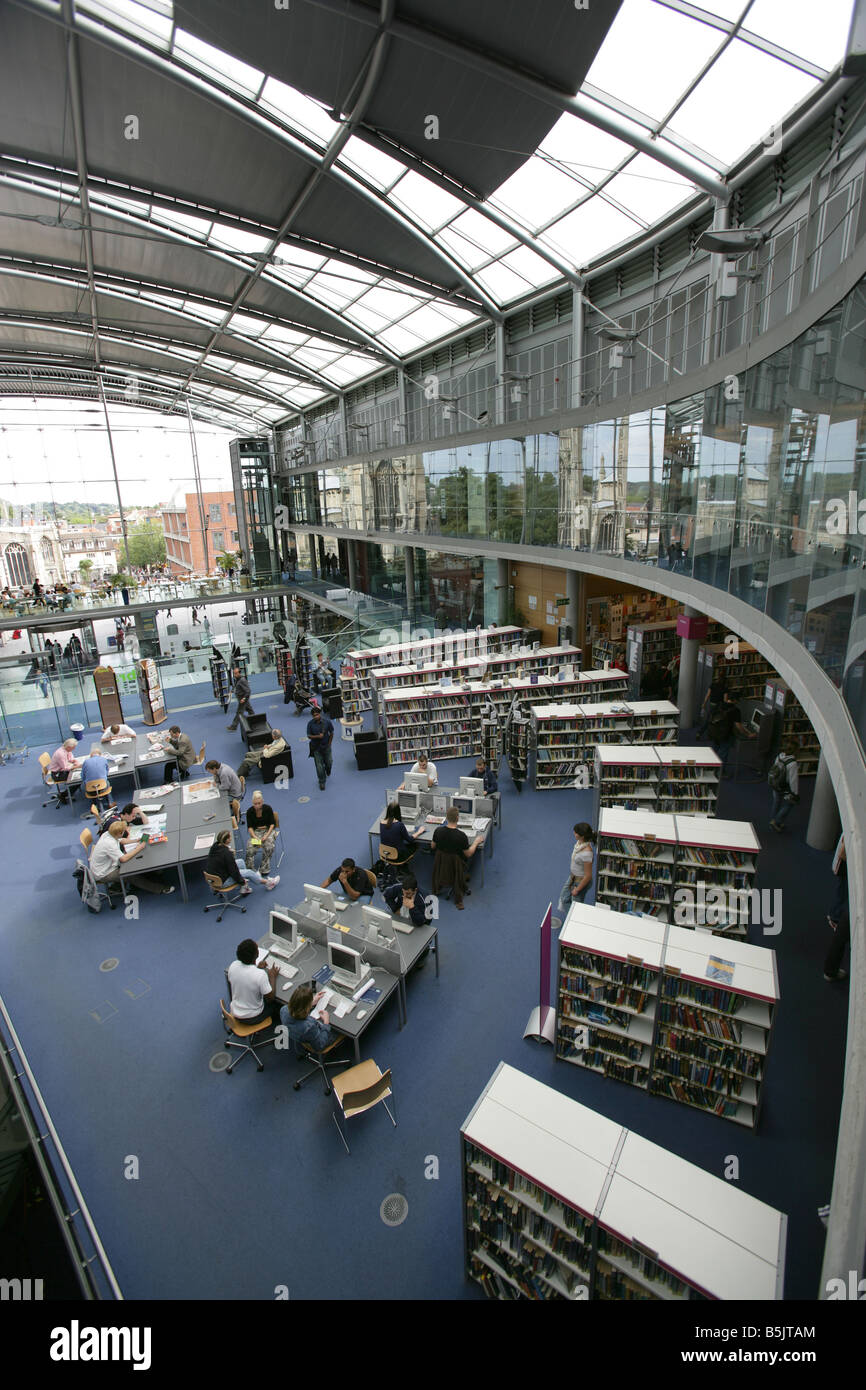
[
  {"x": 392, "y": 856},
  {"x": 215, "y": 884},
  {"x": 55, "y": 789},
  {"x": 320, "y": 1067},
  {"x": 100, "y": 792},
  {"x": 244, "y": 1030},
  {"x": 359, "y": 1089}
]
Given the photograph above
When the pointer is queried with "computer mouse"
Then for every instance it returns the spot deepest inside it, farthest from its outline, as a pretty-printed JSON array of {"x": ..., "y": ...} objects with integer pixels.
[{"x": 362, "y": 1014}]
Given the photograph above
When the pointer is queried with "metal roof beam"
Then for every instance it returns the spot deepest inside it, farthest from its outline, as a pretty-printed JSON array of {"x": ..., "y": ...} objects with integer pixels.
[{"x": 73, "y": 73}]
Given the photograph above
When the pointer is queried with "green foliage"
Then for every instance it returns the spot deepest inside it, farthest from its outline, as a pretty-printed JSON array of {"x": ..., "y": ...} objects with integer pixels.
[
  {"x": 84, "y": 567},
  {"x": 147, "y": 544}
]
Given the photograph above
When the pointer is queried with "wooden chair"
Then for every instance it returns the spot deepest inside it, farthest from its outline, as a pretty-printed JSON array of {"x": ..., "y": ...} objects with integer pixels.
[
  {"x": 320, "y": 1067},
  {"x": 392, "y": 856},
  {"x": 99, "y": 791},
  {"x": 86, "y": 842},
  {"x": 215, "y": 884},
  {"x": 244, "y": 1030},
  {"x": 279, "y": 837},
  {"x": 359, "y": 1089},
  {"x": 55, "y": 789}
]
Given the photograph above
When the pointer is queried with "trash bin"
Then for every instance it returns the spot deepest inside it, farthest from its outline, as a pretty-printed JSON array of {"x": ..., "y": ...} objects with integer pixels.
[{"x": 77, "y": 731}]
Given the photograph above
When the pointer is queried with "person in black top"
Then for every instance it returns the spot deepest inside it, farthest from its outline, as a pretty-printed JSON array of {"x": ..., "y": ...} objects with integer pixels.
[
  {"x": 406, "y": 900},
  {"x": 262, "y": 833},
  {"x": 712, "y": 702},
  {"x": 453, "y": 851},
  {"x": 725, "y": 725},
  {"x": 354, "y": 881},
  {"x": 393, "y": 832},
  {"x": 487, "y": 775},
  {"x": 243, "y": 691},
  {"x": 222, "y": 863}
]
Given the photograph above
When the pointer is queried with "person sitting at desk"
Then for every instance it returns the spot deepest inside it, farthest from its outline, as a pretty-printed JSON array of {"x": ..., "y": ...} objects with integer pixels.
[
  {"x": 261, "y": 832},
  {"x": 117, "y": 731},
  {"x": 406, "y": 900},
  {"x": 316, "y": 1034},
  {"x": 425, "y": 766},
  {"x": 95, "y": 767},
  {"x": 323, "y": 676},
  {"x": 62, "y": 763},
  {"x": 225, "y": 778},
  {"x": 222, "y": 864},
  {"x": 453, "y": 851},
  {"x": 181, "y": 745},
  {"x": 393, "y": 832},
  {"x": 253, "y": 987},
  {"x": 355, "y": 882},
  {"x": 488, "y": 777},
  {"x": 106, "y": 858}
]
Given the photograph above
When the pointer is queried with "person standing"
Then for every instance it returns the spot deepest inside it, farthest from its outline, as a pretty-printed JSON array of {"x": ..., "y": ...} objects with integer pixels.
[
  {"x": 320, "y": 732},
  {"x": 453, "y": 853},
  {"x": 712, "y": 702},
  {"x": 195, "y": 618},
  {"x": 243, "y": 692},
  {"x": 840, "y": 869},
  {"x": 841, "y": 938},
  {"x": 784, "y": 781},
  {"x": 727, "y": 723},
  {"x": 579, "y": 880}
]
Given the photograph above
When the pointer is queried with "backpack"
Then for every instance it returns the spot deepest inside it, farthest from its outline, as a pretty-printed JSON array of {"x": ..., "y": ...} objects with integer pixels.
[
  {"x": 778, "y": 775},
  {"x": 86, "y": 885}
]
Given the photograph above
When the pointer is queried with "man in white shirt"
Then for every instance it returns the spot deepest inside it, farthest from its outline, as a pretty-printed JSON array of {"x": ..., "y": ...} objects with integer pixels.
[
  {"x": 106, "y": 857},
  {"x": 424, "y": 765},
  {"x": 253, "y": 987},
  {"x": 117, "y": 731}
]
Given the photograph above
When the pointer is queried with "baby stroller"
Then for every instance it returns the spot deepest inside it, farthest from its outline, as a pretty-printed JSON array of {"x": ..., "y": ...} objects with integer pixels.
[{"x": 302, "y": 698}]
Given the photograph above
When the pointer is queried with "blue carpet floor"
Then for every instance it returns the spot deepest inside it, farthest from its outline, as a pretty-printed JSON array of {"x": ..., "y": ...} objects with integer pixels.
[{"x": 243, "y": 1183}]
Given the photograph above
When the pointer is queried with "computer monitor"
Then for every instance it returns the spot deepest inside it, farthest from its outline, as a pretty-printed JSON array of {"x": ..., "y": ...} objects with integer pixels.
[
  {"x": 285, "y": 927},
  {"x": 416, "y": 782},
  {"x": 320, "y": 900},
  {"x": 464, "y": 804},
  {"x": 408, "y": 802},
  {"x": 758, "y": 716},
  {"x": 471, "y": 786},
  {"x": 376, "y": 922},
  {"x": 347, "y": 966}
]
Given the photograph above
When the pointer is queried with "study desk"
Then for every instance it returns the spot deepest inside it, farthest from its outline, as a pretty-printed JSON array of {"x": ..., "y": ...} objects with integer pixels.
[
  {"x": 410, "y": 946},
  {"x": 184, "y": 822},
  {"x": 310, "y": 960},
  {"x": 135, "y": 754},
  {"x": 425, "y": 840}
]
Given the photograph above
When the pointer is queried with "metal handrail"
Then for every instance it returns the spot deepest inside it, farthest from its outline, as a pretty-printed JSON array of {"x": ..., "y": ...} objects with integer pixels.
[{"x": 70, "y": 1218}]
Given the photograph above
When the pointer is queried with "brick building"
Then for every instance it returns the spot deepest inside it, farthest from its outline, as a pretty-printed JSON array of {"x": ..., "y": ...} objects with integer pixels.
[{"x": 187, "y": 550}]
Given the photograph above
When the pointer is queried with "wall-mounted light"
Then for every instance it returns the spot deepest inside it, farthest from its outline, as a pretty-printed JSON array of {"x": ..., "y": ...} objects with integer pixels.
[{"x": 618, "y": 339}]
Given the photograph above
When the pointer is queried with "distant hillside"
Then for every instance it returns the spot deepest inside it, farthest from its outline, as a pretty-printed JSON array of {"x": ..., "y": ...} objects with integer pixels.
[{"x": 76, "y": 513}]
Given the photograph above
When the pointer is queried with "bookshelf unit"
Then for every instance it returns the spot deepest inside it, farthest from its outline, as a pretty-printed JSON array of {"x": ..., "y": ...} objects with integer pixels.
[
  {"x": 689, "y": 780},
  {"x": 602, "y": 685},
  {"x": 654, "y": 1005},
  {"x": 720, "y": 854},
  {"x": 560, "y": 1202},
  {"x": 565, "y": 736},
  {"x": 649, "y": 644},
  {"x": 626, "y": 775},
  {"x": 304, "y": 666},
  {"x": 793, "y": 725},
  {"x": 219, "y": 679},
  {"x": 636, "y": 862},
  {"x": 491, "y": 740},
  {"x": 442, "y": 650},
  {"x": 150, "y": 691},
  {"x": 285, "y": 666},
  {"x": 517, "y": 730},
  {"x": 747, "y": 674}
]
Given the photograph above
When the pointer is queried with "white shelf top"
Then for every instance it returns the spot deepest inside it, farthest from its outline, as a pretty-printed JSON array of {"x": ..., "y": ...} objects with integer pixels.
[
  {"x": 754, "y": 966},
  {"x": 562, "y": 1146},
  {"x": 426, "y": 643},
  {"x": 563, "y": 711},
  {"x": 636, "y": 825},
  {"x": 610, "y": 933},
  {"x": 711, "y": 833},
  {"x": 675, "y": 753},
  {"x": 664, "y": 707},
  {"x": 615, "y": 754},
  {"x": 663, "y": 625},
  {"x": 599, "y": 677},
  {"x": 709, "y": 1230}
]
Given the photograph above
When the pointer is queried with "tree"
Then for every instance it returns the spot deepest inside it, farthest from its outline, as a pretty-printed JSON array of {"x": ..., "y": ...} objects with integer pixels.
[
  {"x": 84, "y": 568},
  {"x": 147, "y": 544}
]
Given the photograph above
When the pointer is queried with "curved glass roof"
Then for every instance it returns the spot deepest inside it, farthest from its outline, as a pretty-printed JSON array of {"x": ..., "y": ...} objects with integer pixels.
[{"x": 320, "y": 232}]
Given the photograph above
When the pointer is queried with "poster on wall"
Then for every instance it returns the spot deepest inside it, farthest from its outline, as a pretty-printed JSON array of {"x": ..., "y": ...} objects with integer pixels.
[{"x": 532, "y": 600}]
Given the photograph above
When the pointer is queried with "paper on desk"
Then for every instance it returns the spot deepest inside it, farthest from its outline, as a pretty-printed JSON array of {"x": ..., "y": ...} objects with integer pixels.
[
  {"x": 481, "y": 823},
  {"x": 203, "y": 841}
]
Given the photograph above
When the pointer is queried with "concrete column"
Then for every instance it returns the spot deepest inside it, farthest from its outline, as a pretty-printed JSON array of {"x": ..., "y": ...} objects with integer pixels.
[
  {"x": 824, "y": 826},
  {"x": 314, "y": 567},
  {"x": 321, "y": 544},
  {"x": 500, "y": 387},
  {"x": 688, "y": 674},
  {"x": 353, "y": 564},
  {"x": 577, "y": 327},
  {"x": 503, "y": 580},
  {"x": 409, "y": 567},
  {"x": 575, "y": 612}
]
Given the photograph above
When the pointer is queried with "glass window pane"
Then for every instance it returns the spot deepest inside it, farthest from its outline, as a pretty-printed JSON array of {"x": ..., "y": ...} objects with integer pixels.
[
  {"x": 795, "y": 25},
  {"x": 650, "y": 56}
]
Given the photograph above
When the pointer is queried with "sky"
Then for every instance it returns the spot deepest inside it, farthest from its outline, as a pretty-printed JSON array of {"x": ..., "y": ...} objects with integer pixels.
[{"x": 48, "y": 448}]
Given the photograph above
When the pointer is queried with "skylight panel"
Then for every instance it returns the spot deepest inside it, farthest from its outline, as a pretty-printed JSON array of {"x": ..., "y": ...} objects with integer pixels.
[
  {"x": 649, "y": 189},
  {"x": 316, "y": 357},
  {"x": 650, "y": 56},
  {"x": 377, "y": 167},
  {"x": 817, "y": 34},
  {"x": 133, "y": 206},
  {"x": 298, "y": 110},
  {"x": 503, "y": 283},
  {"x": 297, "y": 258},
  {"x": 579, "y": 145},
  {"x": 366, "y": 318},
  {"x": 390, "y": 303},
  {"x": 535, "y": 193},
  {"x": 186, "y": 222},
  {"x": 246, "y": 369},
  {"x": 530, "y": 267},
  {"x": 399, "y": 340},
  {"x": 479, "y": 232},
  {"x": 588, "y": 231},
  {"x": 303, "y": 395},
  {"x": 229, "y": 71},
  {"x": 211, "y": 312},
  {"x": 729, "y": 128},
  {"x": 350, "y": 274},
  {"x": 429, "y": 205},
  {"x": 277, "y": 334},
  {"x": 248, "y": 324},
  {"x": 344, "y": 371},
  {"x": 234, "y": 239},
  {"x": 427, "y": 322},
  {"x": 145, "y": 21}
]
